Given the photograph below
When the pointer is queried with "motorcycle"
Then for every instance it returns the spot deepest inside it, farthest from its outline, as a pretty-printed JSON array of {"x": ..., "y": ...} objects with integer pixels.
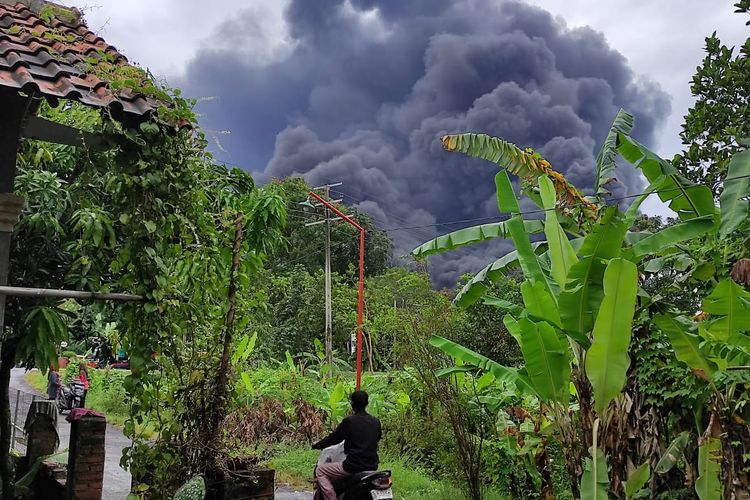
[
  {"x": 368, "y": 485},
  {"x": 70, "y": 396}
]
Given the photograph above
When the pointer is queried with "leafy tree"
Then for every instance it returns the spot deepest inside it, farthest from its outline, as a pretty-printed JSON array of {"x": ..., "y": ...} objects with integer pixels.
[
  {"x": 720, "y": 118},
  {"x": 306, "y": 245}
]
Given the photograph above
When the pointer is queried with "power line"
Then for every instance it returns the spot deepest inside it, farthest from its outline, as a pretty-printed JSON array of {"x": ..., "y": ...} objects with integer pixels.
[{"x": 501, "y": 218}]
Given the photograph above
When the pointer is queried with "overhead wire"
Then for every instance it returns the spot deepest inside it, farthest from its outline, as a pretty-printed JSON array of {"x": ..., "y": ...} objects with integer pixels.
[{"x": 501, "y": 218}]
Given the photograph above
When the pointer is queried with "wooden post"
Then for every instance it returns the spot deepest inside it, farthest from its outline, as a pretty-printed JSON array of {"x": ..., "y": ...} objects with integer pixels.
[{"x": 13, "y": 107}]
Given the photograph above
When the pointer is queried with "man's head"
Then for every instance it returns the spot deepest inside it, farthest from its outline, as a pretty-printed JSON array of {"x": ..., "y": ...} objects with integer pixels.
[{"x": 359, "y": 400}]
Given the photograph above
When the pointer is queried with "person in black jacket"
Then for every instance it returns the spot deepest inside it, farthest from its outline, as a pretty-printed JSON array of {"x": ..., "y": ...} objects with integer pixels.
[{"x": 360, "y": 433}]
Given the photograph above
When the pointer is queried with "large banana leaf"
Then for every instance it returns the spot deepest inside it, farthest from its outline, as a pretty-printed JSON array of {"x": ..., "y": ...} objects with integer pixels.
[
  {"x": 708, "y": 485},
  {"x": 583, "y": 293},
  {"x": 729, "y": 306},
  {"x": 685, "y": 344},
  {"x": 637, "y": 480},
  {"x": 607, "y": 359},
  {"x": 561, "y": 253},
  {"x": 605, "y": 160},
  {"x": 595, "y": 481},
  {"x": 469, "y": 235},
  {"x": 733, "y": 200},
  {"x": 671, "y": 235},
  {"x": 685, "y": 198},
  {"x": 525, "y": 165},
  {"x": 478, "y": 286},
  {"x": 507, "y": 202},
  {"x": 467, "y": 356},
  {"x": 540, "y": 303},
  {"x": 545, "y": 358},
  {"x": 674, "y": 452},
  {"x": 631, "y": 214}
]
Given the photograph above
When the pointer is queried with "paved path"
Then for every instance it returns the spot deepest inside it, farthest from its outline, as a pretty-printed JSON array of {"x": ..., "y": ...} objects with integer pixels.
[
  {"x": 116, "y": 479},
  {"x": 283, "y": 493}
]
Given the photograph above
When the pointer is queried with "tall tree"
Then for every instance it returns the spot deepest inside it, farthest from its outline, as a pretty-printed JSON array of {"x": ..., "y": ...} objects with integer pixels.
[{"x": 719, "y": 120}]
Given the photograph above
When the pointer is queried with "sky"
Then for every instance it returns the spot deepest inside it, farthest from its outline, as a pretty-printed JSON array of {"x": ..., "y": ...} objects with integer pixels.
[{"x": 360, "y": 90}]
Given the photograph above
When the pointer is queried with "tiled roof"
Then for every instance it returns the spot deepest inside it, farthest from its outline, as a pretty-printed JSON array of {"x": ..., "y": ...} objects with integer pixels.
[{"x": 46, "y": 49}]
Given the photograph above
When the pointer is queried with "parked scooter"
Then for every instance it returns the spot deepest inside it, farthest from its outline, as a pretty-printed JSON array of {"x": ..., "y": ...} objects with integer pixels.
[
  {"x": 368, "y": 485},
  {"x": 70, "y": 396}
]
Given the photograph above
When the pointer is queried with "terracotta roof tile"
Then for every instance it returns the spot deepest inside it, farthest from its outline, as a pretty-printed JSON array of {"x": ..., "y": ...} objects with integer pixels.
[{"x": 47, "y": 49}]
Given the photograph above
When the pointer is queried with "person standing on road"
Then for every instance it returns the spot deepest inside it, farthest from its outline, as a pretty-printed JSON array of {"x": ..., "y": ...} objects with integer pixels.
[
  {"x": 83, "y": 375},
  {"x": 53, "y": 383},
  {"x": 360, "y": 433}
]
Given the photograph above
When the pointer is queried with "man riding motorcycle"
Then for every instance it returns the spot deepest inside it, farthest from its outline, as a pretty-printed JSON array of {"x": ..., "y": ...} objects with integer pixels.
[{"x": 361, "y": 433}]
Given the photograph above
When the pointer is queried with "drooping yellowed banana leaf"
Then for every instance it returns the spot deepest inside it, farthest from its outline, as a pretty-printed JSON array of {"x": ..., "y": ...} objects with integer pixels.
[{"x": 525, "y": 164}]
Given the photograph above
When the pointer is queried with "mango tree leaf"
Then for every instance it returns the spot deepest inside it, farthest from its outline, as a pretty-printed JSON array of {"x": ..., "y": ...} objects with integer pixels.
[
  {"x": 605, "y": 160},
  {"x": 733, "y": 200},
  {"x": 673, "y": 453},
  {"x": 708, "y": 485},
  {"x": 607, "y": 359},
  {"x": 583, "y": 293},
  {"x": 545, "y": 356},
  {"x": 470, "y": 235},
  {"x": 561, "y": 252},
  {"x": 729, "y": 301},
  {"x": 466, "y": 355},
  {"x": 595, "y": 481},
  {"x": 637, "y": 480},
  {"x": 685, "y": 344},
  {"x": 687, "y": 199},
  {"x": 662, "y": 240}
]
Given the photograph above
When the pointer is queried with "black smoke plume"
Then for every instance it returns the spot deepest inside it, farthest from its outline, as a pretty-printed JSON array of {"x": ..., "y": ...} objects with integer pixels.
[{"x": 370, "y": 85}]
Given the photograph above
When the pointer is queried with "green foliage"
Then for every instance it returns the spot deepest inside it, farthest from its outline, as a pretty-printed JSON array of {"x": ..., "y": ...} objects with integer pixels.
[
  {"x": 595, "y": 483},
  {"x": 471, "y": 235},
  {"x": 718, "y": 121},
  {"x": 636, "y": 481},
  {"x": 195, "y": 489},
  {"x": 734, "y": 205},
  {"x": 708, "y": 484},
  {"x": 605, "y": 160},
  {"x": 607, "y": 359}
]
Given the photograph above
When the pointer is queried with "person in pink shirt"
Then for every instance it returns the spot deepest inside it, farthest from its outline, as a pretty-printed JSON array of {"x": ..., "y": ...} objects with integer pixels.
[{"x": 83, "y": 375}]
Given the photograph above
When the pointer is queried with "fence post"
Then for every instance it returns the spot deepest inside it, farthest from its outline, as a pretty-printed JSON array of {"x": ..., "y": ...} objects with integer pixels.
[{"x": 15, "y": 421}]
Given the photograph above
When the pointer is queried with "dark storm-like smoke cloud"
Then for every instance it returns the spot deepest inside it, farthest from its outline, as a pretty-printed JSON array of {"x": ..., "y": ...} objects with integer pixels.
[{"x": 371, "y": 85}]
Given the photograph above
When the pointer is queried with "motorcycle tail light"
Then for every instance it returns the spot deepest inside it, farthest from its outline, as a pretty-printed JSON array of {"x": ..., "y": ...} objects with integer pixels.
[{"x": 383, "y": 483}]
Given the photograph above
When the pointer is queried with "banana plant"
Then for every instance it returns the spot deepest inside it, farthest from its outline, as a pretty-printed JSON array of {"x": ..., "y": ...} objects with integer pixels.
[{"x": 581, "y": 284}]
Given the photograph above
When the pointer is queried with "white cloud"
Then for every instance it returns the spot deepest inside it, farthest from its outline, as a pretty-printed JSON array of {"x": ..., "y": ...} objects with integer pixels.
[{"x": 163, "y": 35}]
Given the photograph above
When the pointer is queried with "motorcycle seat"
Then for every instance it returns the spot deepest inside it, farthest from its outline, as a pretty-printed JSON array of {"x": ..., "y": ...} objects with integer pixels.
[{"x": 365, "y": 476}]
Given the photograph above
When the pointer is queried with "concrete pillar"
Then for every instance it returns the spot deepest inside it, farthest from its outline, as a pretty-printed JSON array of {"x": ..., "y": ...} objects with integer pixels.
[{"x": 86, "y": 458}]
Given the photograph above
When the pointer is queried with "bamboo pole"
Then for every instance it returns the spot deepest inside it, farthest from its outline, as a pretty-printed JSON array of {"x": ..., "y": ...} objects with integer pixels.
[{"x": 66, "y": 294}]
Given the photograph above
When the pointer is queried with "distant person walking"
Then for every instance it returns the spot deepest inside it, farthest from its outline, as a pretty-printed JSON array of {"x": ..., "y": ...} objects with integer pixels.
[
  {"x": 53, "y": 383},
  {"x": 83, "y": 375}
]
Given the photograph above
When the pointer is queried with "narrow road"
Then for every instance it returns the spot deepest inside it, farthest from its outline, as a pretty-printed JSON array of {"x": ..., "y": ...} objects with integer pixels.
[
  {"x": 283, "y": 493},
  {"x": 116, "y": 479}
]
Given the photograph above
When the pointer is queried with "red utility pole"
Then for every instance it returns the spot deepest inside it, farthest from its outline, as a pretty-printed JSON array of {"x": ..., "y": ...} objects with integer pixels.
[{"x": 360, "y": 298}]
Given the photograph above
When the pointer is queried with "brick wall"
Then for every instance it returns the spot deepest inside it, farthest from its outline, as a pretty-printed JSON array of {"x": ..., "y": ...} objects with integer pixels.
[{"x": 86, "y": 458}]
